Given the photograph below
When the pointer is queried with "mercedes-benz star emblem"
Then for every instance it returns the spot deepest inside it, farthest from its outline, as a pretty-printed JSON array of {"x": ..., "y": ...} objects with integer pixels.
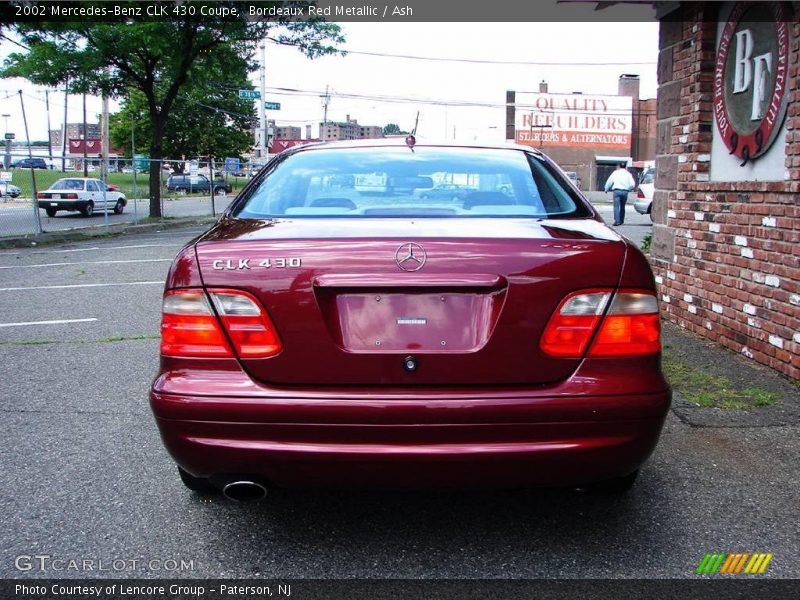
[{"x": 410, "y": 257}]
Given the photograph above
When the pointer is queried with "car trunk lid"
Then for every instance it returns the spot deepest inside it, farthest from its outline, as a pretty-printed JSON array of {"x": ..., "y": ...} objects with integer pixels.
[{"x": 466, "y": 299}]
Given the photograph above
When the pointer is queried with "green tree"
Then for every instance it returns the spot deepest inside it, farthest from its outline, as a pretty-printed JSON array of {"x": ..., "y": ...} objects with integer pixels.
[
  {"x": 207, "y": 119},
  {"x": 393, "y": 129},
  {"x": 156, "y": 59}
]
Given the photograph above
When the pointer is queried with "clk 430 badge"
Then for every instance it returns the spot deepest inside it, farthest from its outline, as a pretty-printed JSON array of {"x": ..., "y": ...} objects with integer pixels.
[{"x": 252, "y": 263}]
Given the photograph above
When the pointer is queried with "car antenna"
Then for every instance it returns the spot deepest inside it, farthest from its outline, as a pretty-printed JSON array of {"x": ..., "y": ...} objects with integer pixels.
[{"x": 411, "y": 138}]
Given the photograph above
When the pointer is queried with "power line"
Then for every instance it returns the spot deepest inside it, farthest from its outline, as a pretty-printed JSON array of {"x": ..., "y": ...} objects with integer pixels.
[
  {"x": 482, "y": 61},
  {"x": 286, "y": 91},
  {"x": 441, "y": 102}
]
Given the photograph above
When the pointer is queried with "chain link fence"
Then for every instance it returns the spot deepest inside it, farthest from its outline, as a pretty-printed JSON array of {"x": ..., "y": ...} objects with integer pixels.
[{"x": 39, "y": 194}]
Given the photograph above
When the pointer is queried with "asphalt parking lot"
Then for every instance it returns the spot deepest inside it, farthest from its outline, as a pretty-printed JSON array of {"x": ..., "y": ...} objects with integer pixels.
[
  {"x": 17, "y": 217},
  {"x": 85, "y": 477}
]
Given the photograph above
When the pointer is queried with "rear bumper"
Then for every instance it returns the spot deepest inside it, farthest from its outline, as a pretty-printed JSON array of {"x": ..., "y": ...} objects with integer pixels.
[
  {"x": 475, "y": 440},
  {"x": 63, "y": 204}
]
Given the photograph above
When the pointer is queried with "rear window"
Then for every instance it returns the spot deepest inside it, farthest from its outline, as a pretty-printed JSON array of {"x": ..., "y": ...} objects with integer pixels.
[
  {"x": 399, "y": 182},
  {"x": 648, "y": 176},
  {"x": 68, "y": 184}
]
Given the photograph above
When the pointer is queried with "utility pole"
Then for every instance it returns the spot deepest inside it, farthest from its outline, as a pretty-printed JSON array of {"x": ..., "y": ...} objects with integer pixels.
[
  {"x": 104, "y": 144},
  {"x": 49, "y": 143},
  {"x": 85, "y": 165},
  {"x": 326, "y": 99},
  {"x": 7, "y": 157},
  {"x": 64, "y": 131},
  {"x": 104, "y": 161},
  {"x": 133, "y": 163},
  {"x": 264, "y": 140},
  {"x": 34, "y": 195}
]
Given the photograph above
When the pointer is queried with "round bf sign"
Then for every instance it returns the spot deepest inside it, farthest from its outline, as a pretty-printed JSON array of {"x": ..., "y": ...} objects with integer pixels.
[{"x": 751, "y": 77}]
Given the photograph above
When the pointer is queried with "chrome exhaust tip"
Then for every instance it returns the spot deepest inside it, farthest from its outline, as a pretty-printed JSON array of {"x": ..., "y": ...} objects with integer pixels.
[{"x": 243, "y": 490}]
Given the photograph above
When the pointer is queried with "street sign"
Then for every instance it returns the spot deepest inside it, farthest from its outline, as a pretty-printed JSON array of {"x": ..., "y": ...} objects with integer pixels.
[
  {"x": 10, "y": 136},
  {"x": 194, "y": 168},
  {"x": 231, "y": 165},
  {"x": 249, "y": 94},
  {"x": 272, "y": 105},
  {"x": 6, "y": 176},
  {"x": 141, "y": 162}
]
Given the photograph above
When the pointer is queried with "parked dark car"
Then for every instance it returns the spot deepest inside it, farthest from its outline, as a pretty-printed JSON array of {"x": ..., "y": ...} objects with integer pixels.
[
  {"x": 196, "y": 184},
  {"x": 317, "y": 336},
  {"x": 447, "y": 190},
  {"x": 28, "y": 163}
]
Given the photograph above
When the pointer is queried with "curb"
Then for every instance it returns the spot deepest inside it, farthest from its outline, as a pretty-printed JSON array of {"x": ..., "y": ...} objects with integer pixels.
[{"x": 99, "y": 231}]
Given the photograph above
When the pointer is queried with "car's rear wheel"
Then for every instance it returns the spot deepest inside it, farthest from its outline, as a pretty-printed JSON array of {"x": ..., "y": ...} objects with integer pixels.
[
  {"x": 51, "y": 212},
  {"x": 611, "y": 487},
  {"x": 88, "y": 209},
  {"x": 220, "y": 191},
  {"x": 119, "y": 207},
  {"x": 196, "y": 484}
]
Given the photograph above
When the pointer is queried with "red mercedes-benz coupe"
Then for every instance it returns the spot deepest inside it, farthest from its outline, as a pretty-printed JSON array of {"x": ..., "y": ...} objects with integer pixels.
[{"x": 341, "y": 326}]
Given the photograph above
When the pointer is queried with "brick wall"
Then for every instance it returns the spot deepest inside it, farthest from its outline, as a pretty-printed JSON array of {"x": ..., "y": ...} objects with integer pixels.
[{"x": 726, "y": 255}]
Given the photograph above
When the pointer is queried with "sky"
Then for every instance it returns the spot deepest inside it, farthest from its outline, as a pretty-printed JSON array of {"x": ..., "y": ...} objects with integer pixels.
[{"x": 635, "y": 43}]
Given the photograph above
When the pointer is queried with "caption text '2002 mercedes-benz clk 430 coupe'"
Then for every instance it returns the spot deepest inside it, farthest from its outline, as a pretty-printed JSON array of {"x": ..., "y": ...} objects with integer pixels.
[{"x": 340, "y": 325}]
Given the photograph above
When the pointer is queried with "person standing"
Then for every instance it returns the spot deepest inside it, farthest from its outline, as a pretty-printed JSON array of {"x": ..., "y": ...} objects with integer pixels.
[{"x": 620, "y": 182}]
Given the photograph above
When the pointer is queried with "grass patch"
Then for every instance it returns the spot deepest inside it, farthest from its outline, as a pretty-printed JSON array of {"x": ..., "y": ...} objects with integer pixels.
[
  {"x": 646, "y": 242},
  {"x": 150, "y": 220},
  {"x": 712, "y": 391},
  {"x": 105, "y": 340},
  {"x": 45, "y": 178}
]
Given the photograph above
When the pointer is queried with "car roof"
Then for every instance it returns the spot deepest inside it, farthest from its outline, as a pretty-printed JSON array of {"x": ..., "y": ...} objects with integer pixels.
[{"x": 399, "y": 142}]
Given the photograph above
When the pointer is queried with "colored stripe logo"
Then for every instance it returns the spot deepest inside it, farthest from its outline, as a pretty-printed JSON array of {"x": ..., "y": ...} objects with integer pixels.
[{"x": 734, "y": 563}]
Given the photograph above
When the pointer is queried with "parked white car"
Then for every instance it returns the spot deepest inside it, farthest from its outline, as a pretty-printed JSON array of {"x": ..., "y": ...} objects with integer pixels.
[
  {"x": 83, "y": 194},
  {"x": 644, "y": 194},
  {"x": 9, "y": 190},
  {"x": 573, "y": 177}
]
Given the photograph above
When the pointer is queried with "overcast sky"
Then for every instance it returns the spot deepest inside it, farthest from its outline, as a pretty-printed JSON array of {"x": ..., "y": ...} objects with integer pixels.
[{"x": 427, "y": 80}]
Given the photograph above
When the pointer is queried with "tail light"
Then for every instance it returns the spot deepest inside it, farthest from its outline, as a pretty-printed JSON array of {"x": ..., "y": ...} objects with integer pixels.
[
  {"x": 43, "y": 196},
  {"x": 640, "y": 193},
  {"x": 190, "y": 327},
  {"x": 630, "y": 326}
]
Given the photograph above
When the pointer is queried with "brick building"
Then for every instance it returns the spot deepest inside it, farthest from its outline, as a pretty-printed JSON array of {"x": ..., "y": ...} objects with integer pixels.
[
  {"x": 349, "y": 130},
  {"x": 726, "y": 234},
  {"x": 74, "y": 132},
  {"x": 586, "y": 133},
  {"x": 284, "y": 132}
]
